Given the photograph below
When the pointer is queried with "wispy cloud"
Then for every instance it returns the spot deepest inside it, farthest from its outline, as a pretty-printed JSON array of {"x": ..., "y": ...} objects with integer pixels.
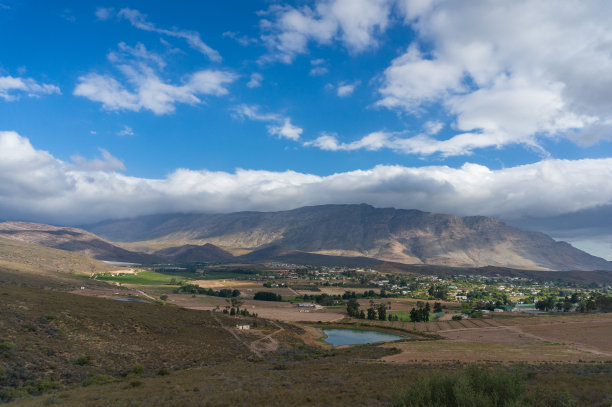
[
  {"x": 106, "y": 163},
  {"x": 12, "y": 88},
  {"x": 279, "y": 126},
  {"x": 139, "y": 20},
  {"x": 346, "y": 89},
  {"x": 142, "y": 86},
  {"x": 126, "y": 131},
  {"x": 255, "y": 80}
]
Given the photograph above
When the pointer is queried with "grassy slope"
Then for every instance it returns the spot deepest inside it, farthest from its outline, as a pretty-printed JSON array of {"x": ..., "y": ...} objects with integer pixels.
[
  {"x": 22, "y": 262},
  {"x": 48, "y": 334}
]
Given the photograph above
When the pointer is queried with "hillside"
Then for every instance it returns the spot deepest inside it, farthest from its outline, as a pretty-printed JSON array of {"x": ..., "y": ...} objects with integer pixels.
[
  {"x": 38, "y": 266},
  {"x": 72, "y": 240},
  {"x": 194, "y": 253},
  {"x": 406, "y": 236}
]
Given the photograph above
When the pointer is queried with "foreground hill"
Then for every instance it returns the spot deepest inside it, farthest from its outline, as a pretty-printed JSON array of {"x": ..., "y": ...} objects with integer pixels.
[
  {"x": 406, "y": 236},
  {"x": 70, "y": 239},
  {"x": 22, "y": 262}
]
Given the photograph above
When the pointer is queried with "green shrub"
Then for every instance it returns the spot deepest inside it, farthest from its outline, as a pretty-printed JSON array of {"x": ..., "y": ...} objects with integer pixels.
[
  {"x": 163, "y": 372},
  {"x": 137, "y": 370},
  {"x": 99, "y": 380},
  {"x": 473, "y": 387},
  {"x": 83, "y": 360},
  {"x": 6, "y": 345}
]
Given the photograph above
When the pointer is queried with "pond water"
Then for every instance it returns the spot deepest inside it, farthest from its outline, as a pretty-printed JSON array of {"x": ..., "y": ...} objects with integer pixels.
[
  {"x": 340, "y": 336},
  {"x": 129, "y": 299}
]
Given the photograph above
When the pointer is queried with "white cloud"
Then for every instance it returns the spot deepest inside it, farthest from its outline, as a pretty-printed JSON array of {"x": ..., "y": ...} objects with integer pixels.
[
  {"x": 145, "y": 89},
  {"x": 255, "y": 80},
  {"x": 286, "y": 130},
  {"x": 510, "y": 73},
  {"x": 252, "y": 112},
  {"x": 372, "y": 142},
  {"x": 422, "y": 144},
  {"x": 355, "y": 23},
  {"x": 346, "y": 89},
  {"x": 318, "y": 71},
  {"x": 280, "y": 126},
  {"x": 139, "y": 20},
  {"x": 37, "y": 186},
  {"x": 11, "y": 88},
  {"x": 126, "y": 131}
]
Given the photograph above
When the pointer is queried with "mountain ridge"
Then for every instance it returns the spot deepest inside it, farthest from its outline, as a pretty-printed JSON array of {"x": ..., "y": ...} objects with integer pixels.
[
  {"x": 72, "y": 240},
  {"x": 401, "y": 235}
]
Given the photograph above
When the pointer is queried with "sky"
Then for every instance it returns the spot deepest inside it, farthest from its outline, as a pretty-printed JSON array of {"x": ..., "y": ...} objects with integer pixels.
[{"x": 117, "y": 109}]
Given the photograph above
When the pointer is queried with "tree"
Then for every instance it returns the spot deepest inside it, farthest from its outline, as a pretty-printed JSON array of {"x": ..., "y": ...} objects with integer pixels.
[
  {"x": 382, "y": 312},
  {"x": 437, "y": 307},
  {"x": 235, "y": 302},
  {"x": 352, "y": 308},
  {"x": 371, "y": 313}
]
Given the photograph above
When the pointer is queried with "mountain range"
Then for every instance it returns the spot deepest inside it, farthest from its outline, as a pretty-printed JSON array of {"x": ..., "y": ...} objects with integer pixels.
[{"x": 388, "y": 234}]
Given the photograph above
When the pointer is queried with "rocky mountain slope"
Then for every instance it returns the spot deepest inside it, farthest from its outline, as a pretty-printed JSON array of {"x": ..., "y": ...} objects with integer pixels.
[
  {"x": 407, "y": 236},
  {"x": 194, "y": 253},
  {"x": 71, "y": 239}
]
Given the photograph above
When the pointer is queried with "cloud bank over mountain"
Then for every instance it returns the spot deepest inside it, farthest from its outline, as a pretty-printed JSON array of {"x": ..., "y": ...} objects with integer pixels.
[{"x": 35, "y": 185}]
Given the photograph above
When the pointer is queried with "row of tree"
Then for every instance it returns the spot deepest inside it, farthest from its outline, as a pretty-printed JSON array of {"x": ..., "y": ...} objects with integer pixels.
[
  {"x": 367, "y": 294},
  {"x": 420, "y": 314},
  {"x": 195, "y": 289},
  {"x": 375, "y": 311},
  {"x": 324, "y": 299},
  {"x": 596, "y": 302},
  {"x": 267, "y": 296}
]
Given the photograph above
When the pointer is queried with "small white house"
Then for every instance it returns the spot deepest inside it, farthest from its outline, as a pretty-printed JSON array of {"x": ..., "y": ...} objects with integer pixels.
[{"x": 243, "y": 327}]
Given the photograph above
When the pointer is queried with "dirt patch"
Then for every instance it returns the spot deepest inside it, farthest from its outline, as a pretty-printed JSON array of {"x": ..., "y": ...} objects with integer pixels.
[
  {"x": 453, "y": 350},
  {"x": 593, "y": 334}
]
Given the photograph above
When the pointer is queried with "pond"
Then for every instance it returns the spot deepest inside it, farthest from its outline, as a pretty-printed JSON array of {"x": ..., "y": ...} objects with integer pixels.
[{"x": 341, "y": 336}]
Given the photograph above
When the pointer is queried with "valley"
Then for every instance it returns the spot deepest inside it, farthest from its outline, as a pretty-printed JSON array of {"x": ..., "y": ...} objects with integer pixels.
[{"x": 192, "y": 322}]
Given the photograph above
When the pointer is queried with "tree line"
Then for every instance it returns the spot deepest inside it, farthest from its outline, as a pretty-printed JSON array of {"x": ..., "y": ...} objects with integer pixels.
[
  {"x": 195, "y": 289},
  {"x": 267, "y": 296}
]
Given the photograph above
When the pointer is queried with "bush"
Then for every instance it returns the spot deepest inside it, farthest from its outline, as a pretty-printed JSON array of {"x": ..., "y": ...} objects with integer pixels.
[
  {"x": 457, "y": 318},
  {"x": 473, "y": 387},
  {"x": 99, "y": 379},
  {"x": 137, "y": 370},
  {"x": 163, "y": 372},
  {"x": 6, "y": 345},
  {"x": 83, "y": 360}
]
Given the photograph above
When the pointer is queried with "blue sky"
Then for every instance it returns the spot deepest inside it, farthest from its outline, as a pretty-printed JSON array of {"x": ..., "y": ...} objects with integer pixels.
[{"x": 118, "y": 109}]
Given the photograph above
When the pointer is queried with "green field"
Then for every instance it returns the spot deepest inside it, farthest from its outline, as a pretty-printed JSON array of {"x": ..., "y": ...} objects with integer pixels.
[
  {"x": 405, "y": 315},
  {"x": 165, "y": 277},
  {"x": 150, "y": 278}
]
